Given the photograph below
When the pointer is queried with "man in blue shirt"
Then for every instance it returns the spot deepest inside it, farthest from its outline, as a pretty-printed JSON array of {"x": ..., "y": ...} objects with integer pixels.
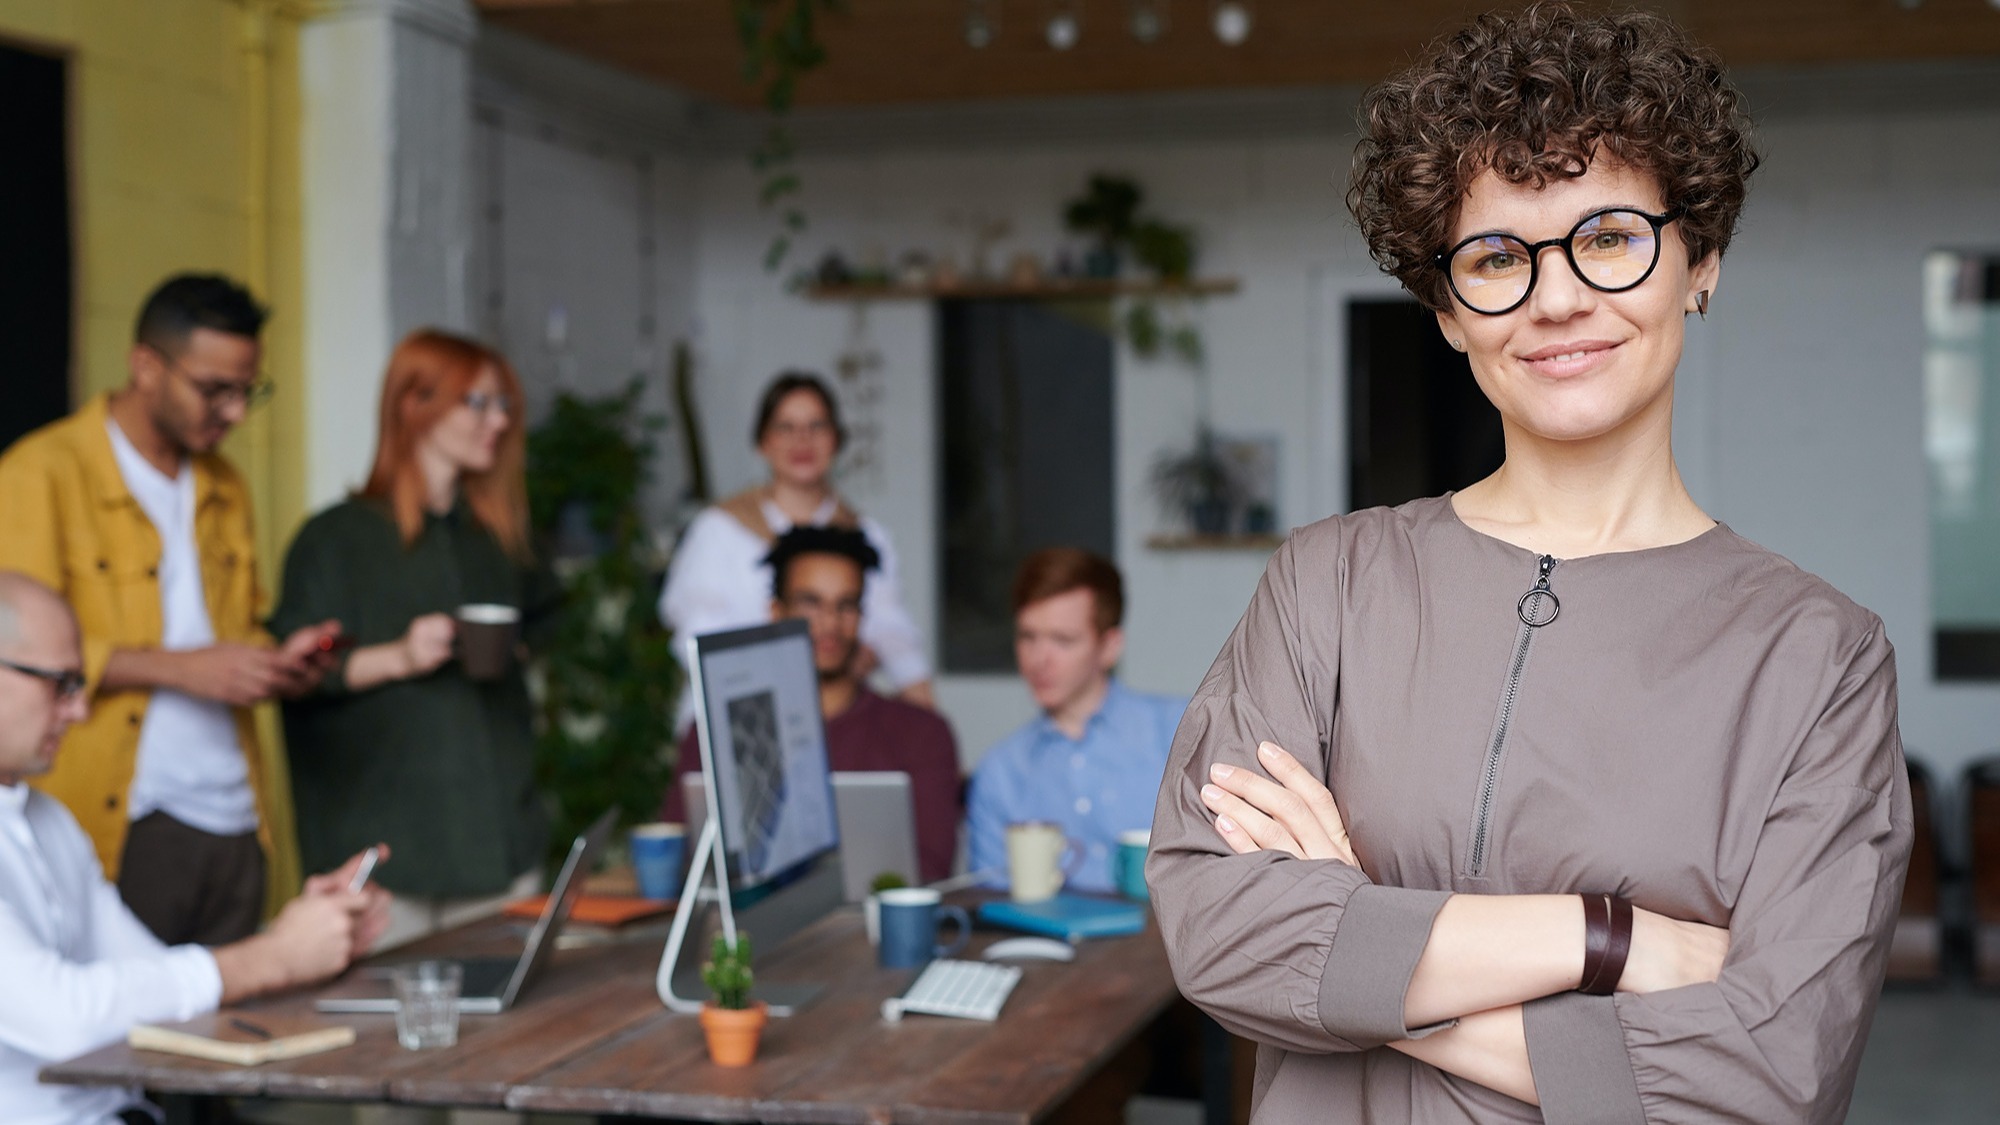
[{"x": 1091, "y": 762}]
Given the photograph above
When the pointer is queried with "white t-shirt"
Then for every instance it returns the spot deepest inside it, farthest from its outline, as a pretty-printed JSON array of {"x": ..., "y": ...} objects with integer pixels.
[
  {"x": 190, "y": 765},
  {"x": 719, "y": 580}
]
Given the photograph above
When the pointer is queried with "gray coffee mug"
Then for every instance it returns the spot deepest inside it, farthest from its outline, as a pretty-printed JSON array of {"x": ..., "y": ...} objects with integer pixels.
[{"x": 910, "y": 924}]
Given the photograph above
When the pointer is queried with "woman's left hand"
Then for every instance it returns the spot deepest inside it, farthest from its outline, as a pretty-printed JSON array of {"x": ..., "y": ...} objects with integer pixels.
[{"x": 1291, "y": 811}]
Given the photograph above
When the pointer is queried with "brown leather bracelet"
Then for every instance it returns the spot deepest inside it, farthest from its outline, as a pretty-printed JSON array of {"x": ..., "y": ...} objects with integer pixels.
[
  {"x": 1620, "y": 948},
  {"x": 1607, "y": 943},
  {"x": 1596, "y": 939}
]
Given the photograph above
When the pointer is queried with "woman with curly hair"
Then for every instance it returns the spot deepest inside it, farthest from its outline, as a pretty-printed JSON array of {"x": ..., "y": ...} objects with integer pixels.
[{"x": 1552, "y": 792}]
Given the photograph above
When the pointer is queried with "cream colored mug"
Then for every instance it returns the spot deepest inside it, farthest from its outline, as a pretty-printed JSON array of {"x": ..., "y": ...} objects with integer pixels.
[{"x": 1039, "y": 860}]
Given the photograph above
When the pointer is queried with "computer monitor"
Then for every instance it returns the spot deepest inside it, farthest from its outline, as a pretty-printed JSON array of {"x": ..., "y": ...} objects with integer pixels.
[{"x": 763, "y": 742}]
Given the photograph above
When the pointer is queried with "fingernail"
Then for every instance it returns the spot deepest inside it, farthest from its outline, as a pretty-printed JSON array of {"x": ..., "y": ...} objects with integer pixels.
[
  {"x": 1210, "y": 793},
  {"x": 1267, "y": 750},
  {"x": 1220, "y": 771},
  {"x": 1226, "y": 824}
]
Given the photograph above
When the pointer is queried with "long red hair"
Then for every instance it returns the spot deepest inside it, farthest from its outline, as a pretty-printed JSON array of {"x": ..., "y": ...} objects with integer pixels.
[{"x": 429, "y": 375}]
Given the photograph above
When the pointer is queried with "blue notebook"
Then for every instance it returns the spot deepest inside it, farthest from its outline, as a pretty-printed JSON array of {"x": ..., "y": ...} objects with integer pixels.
[{"x": 1070, "y": 917}]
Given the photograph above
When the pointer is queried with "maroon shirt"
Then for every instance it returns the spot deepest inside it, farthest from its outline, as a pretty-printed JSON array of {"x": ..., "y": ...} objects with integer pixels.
[{"x": 877, "y": 733}]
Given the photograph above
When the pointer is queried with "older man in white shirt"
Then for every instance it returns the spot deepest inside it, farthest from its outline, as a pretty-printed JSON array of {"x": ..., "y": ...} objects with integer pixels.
[{"x": 79, "y": 969}]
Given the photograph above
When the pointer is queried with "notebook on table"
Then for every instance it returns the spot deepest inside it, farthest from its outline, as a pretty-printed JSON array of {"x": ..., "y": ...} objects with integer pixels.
[
  {"x": 1069, "y": 917},
  {"x": 241, "y": 1039}
]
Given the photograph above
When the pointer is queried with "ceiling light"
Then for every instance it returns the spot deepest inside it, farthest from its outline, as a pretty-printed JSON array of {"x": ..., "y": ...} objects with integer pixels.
[
  {"x": 1065, "y": 25},
  {"x": 982, "y": 23},
  {"x": 1149, "y": 20},
  {"x": 1232, "y": 21}
]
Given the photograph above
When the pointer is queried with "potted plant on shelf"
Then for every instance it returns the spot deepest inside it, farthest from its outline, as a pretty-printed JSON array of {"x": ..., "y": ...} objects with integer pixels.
[
  {"x": 1106, "y": 211},
  {"x": 1198, "y": 485},
  {"x": 731, "y": 1021}
]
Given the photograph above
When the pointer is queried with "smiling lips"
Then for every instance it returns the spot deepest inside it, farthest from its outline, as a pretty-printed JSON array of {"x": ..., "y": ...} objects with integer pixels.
[{"x": 1569, "y": 357}]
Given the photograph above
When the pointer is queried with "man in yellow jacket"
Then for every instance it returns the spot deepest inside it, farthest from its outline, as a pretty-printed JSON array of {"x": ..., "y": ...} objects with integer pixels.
[{"x": 126, "y": 509}]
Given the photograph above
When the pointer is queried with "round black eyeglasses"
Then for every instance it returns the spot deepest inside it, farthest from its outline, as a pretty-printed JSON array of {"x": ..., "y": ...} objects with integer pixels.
[{"x": 1610, "y": 250}]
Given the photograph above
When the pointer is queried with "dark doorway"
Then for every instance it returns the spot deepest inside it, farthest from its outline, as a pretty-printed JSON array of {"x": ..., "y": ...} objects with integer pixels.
[
  {"x": 1025, "y": 442},
  {"x": 35, "y": 281},
  {"x": 1417, "y": 425}
]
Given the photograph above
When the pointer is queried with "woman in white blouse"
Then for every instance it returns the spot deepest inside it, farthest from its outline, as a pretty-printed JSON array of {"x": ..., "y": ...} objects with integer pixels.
[{"x": 719, "y": 579}]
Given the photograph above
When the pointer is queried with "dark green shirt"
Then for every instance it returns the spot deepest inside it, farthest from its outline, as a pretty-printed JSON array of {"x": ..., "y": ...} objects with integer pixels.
[{"x": 440, "y": 768}]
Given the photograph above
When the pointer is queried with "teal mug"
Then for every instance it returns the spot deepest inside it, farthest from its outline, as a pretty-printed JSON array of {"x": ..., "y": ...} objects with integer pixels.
[{"x": 1129, "y": 868}]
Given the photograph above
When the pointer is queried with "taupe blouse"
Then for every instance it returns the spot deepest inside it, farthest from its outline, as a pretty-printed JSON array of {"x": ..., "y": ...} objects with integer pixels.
[{"x": 1703, "y": 728}]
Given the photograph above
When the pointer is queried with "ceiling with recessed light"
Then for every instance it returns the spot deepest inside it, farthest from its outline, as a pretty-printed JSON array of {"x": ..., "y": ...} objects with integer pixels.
[{"x": 890, "y": 52}]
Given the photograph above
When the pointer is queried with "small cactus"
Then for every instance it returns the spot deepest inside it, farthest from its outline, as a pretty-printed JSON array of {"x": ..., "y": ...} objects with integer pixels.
[{"x": 727, "y": 972}]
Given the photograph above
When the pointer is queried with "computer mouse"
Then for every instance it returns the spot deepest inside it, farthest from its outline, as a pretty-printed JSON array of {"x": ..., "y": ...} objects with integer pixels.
[{"x": 1030, "y": 949}]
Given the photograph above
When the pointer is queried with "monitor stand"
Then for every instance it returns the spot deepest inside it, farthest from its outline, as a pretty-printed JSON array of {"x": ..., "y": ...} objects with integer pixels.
[{"x": 772, "y": 919}]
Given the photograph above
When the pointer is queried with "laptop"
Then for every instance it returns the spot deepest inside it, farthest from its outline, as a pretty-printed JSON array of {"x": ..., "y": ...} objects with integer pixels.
[
  {"x": 877, "y": 818},
  {"x": 491, "y": 985}
]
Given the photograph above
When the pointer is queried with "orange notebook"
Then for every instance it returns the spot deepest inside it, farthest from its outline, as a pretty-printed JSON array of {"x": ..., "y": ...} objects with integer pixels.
[{"x": 594, "y": 910}]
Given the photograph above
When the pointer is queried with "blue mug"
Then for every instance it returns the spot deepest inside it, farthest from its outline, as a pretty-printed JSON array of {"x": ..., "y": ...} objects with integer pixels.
[
  {"x": 1129, "y": 866},
  {"x": 658, "y": 850},
  {"x": 909, "y": 922}
]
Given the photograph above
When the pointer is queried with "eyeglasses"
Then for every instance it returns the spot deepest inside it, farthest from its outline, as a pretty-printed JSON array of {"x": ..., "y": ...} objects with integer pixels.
[
  {"x": 68, "y": 682},
  {"x": 218, "y": 393},
  {"x": 1610, "y": 250},
  {"x": 484, "y": 402}
]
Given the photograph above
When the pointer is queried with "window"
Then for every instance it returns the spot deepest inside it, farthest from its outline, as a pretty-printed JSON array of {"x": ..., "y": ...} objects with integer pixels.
[
  {"x": 1962, "y": 444},
  {"x": 1027, "y": 453},
  {"x": 1417, "y": 423},
  {"x": 35, "y": 286}
]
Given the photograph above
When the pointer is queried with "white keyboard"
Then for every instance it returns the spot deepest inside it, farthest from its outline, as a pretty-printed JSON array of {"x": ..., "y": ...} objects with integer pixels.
[{"x": 971, "y": 990}]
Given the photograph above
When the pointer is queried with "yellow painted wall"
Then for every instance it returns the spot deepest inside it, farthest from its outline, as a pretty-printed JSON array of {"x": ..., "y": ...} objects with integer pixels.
[{"x": 184, "y": 125}]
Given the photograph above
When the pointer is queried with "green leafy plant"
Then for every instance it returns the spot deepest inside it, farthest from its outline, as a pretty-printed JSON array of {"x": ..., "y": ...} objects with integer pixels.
[
  {"x": 1110, "y": 211},
  {"x": 781, "y": 44},
  {"x": 1166, "y": 249},
  {"x": 605, "y": 686},
  {"x": 1106, "y": 210},
  {"x": 727, "y": 972}
]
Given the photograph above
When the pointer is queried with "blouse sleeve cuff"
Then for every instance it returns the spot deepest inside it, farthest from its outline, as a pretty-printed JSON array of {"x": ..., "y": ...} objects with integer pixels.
[
  {"x": 1576, "y": 1049},
  {"x": 1381, "y": 936},
  {"x": 199, "y": 980}
]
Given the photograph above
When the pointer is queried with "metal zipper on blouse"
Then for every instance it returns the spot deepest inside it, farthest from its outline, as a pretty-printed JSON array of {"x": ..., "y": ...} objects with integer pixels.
[{"x": 1537, "y": 609}]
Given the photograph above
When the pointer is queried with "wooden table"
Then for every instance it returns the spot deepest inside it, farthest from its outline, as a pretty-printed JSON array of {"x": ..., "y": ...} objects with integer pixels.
[{"x": 591, "y": 1038}]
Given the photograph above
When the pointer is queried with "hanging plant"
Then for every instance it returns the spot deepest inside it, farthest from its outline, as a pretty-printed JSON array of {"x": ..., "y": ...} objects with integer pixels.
[
  {"x": 1109, "y": 211},
  {"x": 780, "y": 45}
]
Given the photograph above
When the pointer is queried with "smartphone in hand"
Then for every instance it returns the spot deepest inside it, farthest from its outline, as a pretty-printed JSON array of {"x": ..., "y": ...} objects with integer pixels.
[{"x": 369, "y": 859}]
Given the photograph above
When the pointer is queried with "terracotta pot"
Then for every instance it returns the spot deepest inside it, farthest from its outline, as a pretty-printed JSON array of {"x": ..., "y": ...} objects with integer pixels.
[{"x": 733, "y": 1032}]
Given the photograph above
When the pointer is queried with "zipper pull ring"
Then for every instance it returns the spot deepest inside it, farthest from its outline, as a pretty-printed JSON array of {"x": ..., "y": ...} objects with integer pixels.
[{"x": 1540, "y": 606}]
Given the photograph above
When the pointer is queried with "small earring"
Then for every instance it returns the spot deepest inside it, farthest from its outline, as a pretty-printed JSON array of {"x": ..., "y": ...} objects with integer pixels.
[
  {"x": 1458, "y": 345},
  {"x": 1701, "y": 303}
]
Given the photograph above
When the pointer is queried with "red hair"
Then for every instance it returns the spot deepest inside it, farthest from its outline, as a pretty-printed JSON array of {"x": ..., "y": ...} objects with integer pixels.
[{"x": 429, "y": 375}]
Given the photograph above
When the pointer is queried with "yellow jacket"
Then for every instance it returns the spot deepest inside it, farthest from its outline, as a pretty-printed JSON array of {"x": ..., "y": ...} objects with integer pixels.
[{"x": 67, "y": 519}]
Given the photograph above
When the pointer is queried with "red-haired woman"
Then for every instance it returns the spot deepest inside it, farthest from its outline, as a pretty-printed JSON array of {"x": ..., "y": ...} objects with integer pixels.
[{"x": 399, "y": 744}]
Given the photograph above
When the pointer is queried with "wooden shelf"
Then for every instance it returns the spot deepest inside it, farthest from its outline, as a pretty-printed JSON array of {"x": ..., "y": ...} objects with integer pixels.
[
  {"x": 1048, "y": 289},
  {"x": 1264, "y": 543}
]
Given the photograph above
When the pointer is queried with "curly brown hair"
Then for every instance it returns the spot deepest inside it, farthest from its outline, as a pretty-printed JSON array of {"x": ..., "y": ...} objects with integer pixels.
[{"x": 1535, "y": 96}]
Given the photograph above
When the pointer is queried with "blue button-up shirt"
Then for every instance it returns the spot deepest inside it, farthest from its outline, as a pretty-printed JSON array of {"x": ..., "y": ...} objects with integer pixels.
[{"x": 1094, "y": 787}]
